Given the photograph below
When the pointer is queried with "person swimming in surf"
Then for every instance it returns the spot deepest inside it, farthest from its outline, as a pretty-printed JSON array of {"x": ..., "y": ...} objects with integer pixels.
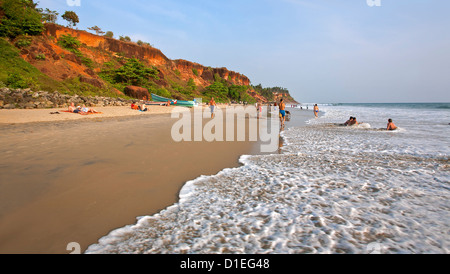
[
  {"x": 350, "y": 120},
  {"x": 391, "y": 125}
]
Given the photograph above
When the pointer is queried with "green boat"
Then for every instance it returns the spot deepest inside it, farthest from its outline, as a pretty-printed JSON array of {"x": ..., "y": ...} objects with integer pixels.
[{"x": 157, "y": 98}]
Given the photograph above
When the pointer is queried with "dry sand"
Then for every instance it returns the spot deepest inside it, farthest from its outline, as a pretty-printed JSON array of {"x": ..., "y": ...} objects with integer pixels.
[
  {"x": 18, "y": 116},
  {"x": 70, "y": 178}
]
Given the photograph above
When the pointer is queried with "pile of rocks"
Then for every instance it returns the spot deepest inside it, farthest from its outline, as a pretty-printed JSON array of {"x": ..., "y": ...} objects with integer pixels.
[{"x": 28, "y": 99}]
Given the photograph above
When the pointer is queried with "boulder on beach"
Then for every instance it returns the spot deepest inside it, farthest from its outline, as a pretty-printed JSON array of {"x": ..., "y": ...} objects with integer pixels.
[{"x": 137, "y": 92}]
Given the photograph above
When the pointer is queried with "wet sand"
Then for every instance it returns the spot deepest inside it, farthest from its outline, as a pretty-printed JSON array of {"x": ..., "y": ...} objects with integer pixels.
[{"x": 75, "y": 180}]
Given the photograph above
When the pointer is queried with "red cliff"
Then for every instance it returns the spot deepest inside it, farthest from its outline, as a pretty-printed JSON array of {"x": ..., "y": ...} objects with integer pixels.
[{"x": 203, "y": 76}]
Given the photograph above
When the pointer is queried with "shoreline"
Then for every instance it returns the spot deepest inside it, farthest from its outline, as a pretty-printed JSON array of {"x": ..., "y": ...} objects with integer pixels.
[
  {"x": 58, "y": 200},
  {"x": 300, "y": 119}
]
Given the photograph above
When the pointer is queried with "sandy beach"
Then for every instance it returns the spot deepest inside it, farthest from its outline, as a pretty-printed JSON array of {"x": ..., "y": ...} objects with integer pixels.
[
  {"x": 73, "y": 178},
  {"x": 20, "y": 116}
]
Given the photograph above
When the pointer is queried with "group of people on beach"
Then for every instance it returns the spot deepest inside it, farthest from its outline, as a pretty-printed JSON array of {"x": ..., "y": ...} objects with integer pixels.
[
  {"x": 81, "y": 109},
  {"x": 142, "y": 107},
  {"x": 282, "y": 113}
]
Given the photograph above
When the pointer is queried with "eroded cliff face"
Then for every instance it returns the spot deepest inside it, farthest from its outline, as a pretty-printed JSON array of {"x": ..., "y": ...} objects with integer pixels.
[
  {"x": 205, "y": 75},
  {"x": 202, "y": 76},
  {"x": 99, "y": 53}
]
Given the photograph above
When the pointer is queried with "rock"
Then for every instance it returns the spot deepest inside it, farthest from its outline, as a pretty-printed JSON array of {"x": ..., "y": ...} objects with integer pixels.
[
  {"x": 49, "y": 104},
  {"x": 73, "y": 58},
  {"x": 116, "y": 91},
  {"x": 30, "y": 105},
  {"x": 91, "y": 81},
  {"x": 28, "y": 99},
  {"x": 137, "y": 92},
  {"x": 6, "y": 90},
  {"x": 90, "y": 72}
]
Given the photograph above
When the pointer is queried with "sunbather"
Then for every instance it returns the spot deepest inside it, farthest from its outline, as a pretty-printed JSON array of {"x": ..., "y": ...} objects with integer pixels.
[
  {"x": 72, "y": 107},
  {"x": 86, "y": 110},
  {"x": 134, "y": 106}
]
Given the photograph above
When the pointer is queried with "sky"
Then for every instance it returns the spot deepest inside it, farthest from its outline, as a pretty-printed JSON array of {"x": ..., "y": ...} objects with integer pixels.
[{"x": 322, "y": 51}]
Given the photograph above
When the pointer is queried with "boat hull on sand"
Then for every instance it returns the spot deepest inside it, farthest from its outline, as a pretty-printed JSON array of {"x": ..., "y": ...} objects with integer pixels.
[{"x": 157, "y": 98}]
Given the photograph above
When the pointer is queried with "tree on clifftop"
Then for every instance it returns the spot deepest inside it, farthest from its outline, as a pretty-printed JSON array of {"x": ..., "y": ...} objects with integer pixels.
[
  {"x": 49, "y": 15},
  {"x": 125, "y": 39},
  {"x": 109, "y": 34},
  {"x": 71, "y": 17},
  {"x": 97, "y": 30}
]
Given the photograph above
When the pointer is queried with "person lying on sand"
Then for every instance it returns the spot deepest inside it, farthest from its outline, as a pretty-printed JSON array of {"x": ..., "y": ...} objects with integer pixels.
[
  {"x": 72, "y": 107},
  {"x": 134, "y": 106},
  {"x": 391, "y": 125},
  {"x": 86, "y": 110},
  {"x": 80, "y": 110},
  {"x": 77, "y": 110},
  {"x": 143, "y": 107}
]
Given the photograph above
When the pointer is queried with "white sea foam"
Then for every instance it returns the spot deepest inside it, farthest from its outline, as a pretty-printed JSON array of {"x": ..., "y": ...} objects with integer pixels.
[{"x": 333, "y": 190}]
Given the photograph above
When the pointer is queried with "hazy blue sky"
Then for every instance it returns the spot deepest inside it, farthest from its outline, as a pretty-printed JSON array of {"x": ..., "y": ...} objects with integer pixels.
[{"x": 323, "y": 51}]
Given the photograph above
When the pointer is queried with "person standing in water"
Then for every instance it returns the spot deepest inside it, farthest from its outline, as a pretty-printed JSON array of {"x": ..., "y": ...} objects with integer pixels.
[
  {"x": 391, "y": 125},
  {"x": 316, "y": 110},
  {"x": 282, "y": 107}
]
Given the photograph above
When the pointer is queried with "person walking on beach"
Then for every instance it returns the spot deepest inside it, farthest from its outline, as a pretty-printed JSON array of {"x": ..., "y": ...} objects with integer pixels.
[
  {"x": 282, "y": 107},
  {"x": 391, "y": 125},
  {"x": 316, "y": 110},
  {"x": 212, "y": 105},
  {"x": 259, "y": 109}
]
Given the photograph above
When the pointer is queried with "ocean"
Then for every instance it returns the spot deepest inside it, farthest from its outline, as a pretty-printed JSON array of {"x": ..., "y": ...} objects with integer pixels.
[{"x": 330, "y": 189}]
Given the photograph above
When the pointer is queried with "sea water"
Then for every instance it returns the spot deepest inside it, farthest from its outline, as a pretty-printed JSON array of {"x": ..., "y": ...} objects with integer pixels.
[{"x": 331, "y": 189}]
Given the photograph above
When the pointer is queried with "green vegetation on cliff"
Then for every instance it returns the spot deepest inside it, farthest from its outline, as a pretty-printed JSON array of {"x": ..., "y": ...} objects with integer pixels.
[
  {"x": 271, "y": 93},
  {"x": 18, "y": 73},
  {"x": 133, "y": 72},
  {"x": 15, "y": 72},
  {"x": 223, "y": 92},
  {"x": 19, "y": 17}
]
